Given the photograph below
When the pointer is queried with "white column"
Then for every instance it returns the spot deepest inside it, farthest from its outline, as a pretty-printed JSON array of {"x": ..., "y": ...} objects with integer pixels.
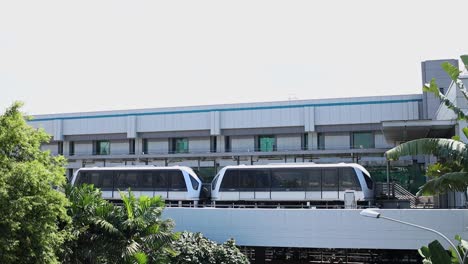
[
  {"x": 312, "y": 138},
  {"x": 220, "y": 144}
]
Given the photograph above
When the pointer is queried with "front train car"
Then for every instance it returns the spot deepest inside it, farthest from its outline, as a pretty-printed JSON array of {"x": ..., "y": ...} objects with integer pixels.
[{"x": 177, "y": 184}]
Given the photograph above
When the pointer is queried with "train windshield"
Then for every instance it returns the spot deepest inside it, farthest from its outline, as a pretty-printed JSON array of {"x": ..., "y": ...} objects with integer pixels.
[{"x": 369, "y": 181}]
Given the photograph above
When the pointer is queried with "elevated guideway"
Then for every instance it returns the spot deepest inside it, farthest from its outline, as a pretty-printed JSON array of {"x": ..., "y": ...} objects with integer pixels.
[{"x": 320, "y": 228}]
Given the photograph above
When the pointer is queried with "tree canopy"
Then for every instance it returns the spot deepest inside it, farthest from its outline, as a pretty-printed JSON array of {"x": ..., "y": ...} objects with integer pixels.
[
  {"x": 194, "y": 248},
  {"x": 32, "y": 213}
]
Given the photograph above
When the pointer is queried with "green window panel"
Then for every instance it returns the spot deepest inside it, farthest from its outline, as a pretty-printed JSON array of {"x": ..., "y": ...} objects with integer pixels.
[
  {"x": 363, "y": 140},
  {"x": 103, "y": 147},
  {"x": 181, "y": 145},
  {"x": 266, "y": 143}
]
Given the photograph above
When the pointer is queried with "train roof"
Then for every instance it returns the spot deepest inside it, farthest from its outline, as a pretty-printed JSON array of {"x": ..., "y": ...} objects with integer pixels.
[
  {"x": 138, "y": 168},
  {"x": 298, "y": 165}
]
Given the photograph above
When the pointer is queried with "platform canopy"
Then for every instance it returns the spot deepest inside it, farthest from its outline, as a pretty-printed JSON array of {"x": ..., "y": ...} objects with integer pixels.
[{"x": 406, "y": 130}]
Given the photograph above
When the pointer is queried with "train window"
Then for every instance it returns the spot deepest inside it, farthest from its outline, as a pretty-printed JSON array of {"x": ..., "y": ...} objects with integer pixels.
[
  {"x": 177, "y": 180},
  {"x": 81, "y": 178},
  {"x": 160, "y": 181},
  {"x": 107, "y": 179},
  {"x": 349, "y": 180},
  {"x": 314, "y": 182},
  {"x": 247, "y": 180},
  {"x": 194, "y": 182},
  {"x": 145, "y": 181},
  {"x": 94, "y": 179},
  {"x": 262, "y": 180},
  {"x": 230, "y": 180},
  {"x": 287, "y": 179},
  {"x": 330, "y": 180},
  {"x": 369, "y": 182},
  {"x": 126, "y": 179}
]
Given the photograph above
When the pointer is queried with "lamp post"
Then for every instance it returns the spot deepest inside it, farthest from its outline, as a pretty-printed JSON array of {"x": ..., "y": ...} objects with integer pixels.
[{"x": 374, "y": 214}]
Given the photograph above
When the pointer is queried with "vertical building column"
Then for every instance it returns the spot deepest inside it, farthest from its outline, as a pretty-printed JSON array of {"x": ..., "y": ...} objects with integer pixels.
[
  {"x": 312, "y": 137},
  {"x": 215, "y": 123},
  {"x": 131, "y": 126},
  {"x": 132, "y": 133},
  {"x": 138, "y": 146},
  {"x": 220, "y": 144},
  {"x": 309, "y": 127},
  {"x": 58, "y": 130},
  {"x": 215, "y": 130}
]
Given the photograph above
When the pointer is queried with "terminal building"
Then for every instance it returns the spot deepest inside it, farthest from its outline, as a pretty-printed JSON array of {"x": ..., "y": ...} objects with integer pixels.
[{"x": 207, "y": 138}]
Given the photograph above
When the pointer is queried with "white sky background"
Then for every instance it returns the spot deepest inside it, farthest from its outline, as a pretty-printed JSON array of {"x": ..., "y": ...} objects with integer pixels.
[{"x": 64, "y": 56}]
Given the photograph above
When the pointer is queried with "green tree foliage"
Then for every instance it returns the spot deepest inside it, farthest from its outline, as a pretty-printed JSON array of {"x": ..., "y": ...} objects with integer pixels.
[
  {"x": 132, "y": 232},
  {"x": 452, "y": 175},
  {"x": 32, "y": 213},
  {"x": 193, "y": 248}
]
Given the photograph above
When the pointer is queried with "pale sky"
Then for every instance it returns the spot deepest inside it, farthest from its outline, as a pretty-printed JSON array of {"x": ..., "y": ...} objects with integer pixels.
[{"x": 80, "y": 56}]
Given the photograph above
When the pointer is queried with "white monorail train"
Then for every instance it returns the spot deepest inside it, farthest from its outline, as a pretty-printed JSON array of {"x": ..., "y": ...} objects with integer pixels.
[
  {"x": 292, "y": 183},
  {"x": 176, "y": 183}
]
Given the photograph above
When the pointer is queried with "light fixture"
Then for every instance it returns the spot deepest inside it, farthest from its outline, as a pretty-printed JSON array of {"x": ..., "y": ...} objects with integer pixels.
[{"x": 373, "y": 214}]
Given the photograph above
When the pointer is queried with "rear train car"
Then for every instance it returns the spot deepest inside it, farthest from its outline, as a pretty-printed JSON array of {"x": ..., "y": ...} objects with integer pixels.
[
  {"x": 174, "y": 184},
  {"x": 292, "y": 184}
]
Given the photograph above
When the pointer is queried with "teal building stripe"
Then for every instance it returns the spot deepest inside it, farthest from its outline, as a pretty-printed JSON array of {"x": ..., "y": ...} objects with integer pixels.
[{"x": 229, "y": 109}]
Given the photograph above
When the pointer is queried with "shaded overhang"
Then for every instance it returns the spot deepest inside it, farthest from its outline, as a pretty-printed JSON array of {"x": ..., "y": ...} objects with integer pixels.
[{"x": 405, "y": 130}]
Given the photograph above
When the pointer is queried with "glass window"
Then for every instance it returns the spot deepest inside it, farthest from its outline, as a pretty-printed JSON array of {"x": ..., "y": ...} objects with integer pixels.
[
  {"x": 230, "y": 181},
  {"x": 145, "y": 180},
  {"x": 71, "y": 148},
  {"x": 94, "y": 179},
  {"x": 321, "y": 141},
  {"x": 107, "y": 179},
  {"x": 102, "y": 147},
  {"x": 145, "y": 146},
  {"x": 349, "y": 180},
  {"x": 180, "y": 145},
  {"x": 60, "y": 147},
  {"x": 363, "y": 140},
  {"x": 131, "y": 146},
  {"x": 369, "y": 182},
  {"x": 81, "y": 178},
  {"x": 126, "y": 179},
  {"x": 213, "y": 144},
  {"x": 194, "y": 182},
  {"x": 330, "y": 180},
  {"x": 305, "y": 142},
  {"x": 227, "y": 144},
  {"x": 288, "y": 179},
  {"x": 314, "y": 182},
  {"x": 160, "y": 180},
  {"x": 262, "y": 180},
  {"x": 100, "y": 179},
  {"x": 247, "y": 180},
  {"x": 177, "y": 180},
  {"x": 266, "y": 143}
]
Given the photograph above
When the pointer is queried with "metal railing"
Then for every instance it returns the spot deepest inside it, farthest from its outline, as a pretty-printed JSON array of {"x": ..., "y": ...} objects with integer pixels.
[
  {"x": 394, "y": 190},
  {"x": 121, "y": 152}
]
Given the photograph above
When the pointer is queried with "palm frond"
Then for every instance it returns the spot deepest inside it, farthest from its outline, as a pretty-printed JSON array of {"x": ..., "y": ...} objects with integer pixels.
[
  {"x": 106, "y": 226},
  {"x": 443, "y": 148},
  {"x": 131, "y": 249},
  {"x": 128, "y": 202},
  {"x": 140, "y": 258},
  {"x": 453, "y": 181}
]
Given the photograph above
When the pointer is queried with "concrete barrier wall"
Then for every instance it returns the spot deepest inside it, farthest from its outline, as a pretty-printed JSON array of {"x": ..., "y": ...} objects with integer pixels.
[{"x": 320, "y": 228}]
